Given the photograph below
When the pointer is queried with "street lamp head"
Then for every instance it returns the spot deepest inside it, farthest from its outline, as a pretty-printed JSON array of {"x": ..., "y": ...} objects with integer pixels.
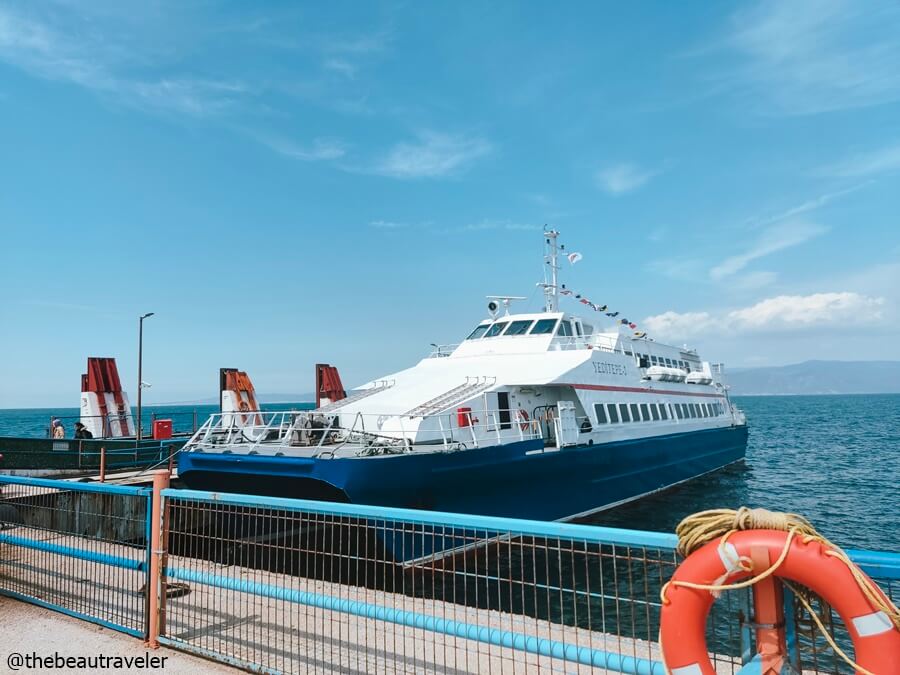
[{"x": 148, "y": 314}]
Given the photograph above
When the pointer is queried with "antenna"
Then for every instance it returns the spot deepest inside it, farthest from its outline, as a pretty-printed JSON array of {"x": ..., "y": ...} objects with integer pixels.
[{"x": 551, "y": 303}]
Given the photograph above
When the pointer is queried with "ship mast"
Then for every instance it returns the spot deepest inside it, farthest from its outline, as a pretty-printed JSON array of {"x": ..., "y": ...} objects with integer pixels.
[{"x": 552, "y": 259}]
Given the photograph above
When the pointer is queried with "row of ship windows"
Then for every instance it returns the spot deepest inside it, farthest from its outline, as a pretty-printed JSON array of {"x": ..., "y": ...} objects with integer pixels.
[
  {"x": 654, "y": 360},
  {"x": 613, "y": 413}
]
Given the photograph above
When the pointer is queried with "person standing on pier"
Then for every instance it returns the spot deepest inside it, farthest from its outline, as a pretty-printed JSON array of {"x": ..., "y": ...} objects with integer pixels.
[
  {"x": 82, "y": 431},
  {"x": 57, "y": 430}
]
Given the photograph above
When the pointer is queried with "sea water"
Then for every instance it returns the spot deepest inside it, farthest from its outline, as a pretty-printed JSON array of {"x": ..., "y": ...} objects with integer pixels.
[{"x": 833, "y": 459}]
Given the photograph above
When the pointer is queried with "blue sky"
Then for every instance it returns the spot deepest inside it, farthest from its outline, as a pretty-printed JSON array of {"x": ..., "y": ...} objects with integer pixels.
[{"x": 285, "y": 183}]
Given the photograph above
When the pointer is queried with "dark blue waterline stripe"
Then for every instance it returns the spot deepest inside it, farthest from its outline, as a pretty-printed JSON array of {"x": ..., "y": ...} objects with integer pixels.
[
  {"x": 71, "y": 552},
  {"x": 75, "y": 486},
  {"x": 494, "y": 636},
  {"x": 437, "y": 519}
]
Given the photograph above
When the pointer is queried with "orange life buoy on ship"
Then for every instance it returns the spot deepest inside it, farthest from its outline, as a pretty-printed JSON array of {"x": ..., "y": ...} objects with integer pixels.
[
  {"x": 523, "y": 419},
  {"x": 876, "y": 641}
]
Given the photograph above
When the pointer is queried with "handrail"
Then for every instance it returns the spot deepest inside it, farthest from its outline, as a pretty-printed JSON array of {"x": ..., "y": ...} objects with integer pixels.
[{"x": 328, "y": 433}]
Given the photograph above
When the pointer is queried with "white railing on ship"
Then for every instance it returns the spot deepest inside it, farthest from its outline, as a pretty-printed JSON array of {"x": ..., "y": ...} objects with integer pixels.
[
  {"x": 325, "y": 432},
  {"x": 557, "y": 343}
]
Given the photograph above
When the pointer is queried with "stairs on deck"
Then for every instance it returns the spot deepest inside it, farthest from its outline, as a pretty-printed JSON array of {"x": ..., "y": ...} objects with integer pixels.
[
  {"x": 356, "y": 396},
  {"x": 468, "y": 389}
]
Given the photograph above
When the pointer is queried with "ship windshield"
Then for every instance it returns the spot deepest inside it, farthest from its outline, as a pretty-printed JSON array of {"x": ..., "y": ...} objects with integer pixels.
[
  {"x": 478, "y": 332},
  {"x": 496, "y": 329},
  {"x": 519, "y": 327},
  {"x": 544, "y": 327}
]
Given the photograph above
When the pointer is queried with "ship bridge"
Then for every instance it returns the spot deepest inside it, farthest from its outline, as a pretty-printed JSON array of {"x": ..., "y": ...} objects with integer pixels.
[{"x": 529, "y": 333}]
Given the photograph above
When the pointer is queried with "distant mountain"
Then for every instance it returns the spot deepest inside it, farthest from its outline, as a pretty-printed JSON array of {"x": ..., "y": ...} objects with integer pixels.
[{"x": 818, "y": 377}]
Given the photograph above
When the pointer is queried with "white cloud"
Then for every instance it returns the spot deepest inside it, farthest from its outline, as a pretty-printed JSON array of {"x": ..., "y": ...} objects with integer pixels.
[
  {"x": 72, "y": 49},
  {"x": 771, "y": 240},
  {"x": 501, "y": 225},
  {"x": 798, "y": 311},
  {"x": 622, "y": 178},
  {"x": 321, "y": 148},
  {"x": 806, "y": 207},
  {"x": 434, "y": 155},
  {"x": 387, "y": 225},
  {"x": 814, "y": 56},
  {"x": 675, "y": 325},
  {"x": 754, "y": 280},
  {"x": 783, "y": 313},
  {"x": 879, "y": 161},
  {"x": 341, "y": 66}
]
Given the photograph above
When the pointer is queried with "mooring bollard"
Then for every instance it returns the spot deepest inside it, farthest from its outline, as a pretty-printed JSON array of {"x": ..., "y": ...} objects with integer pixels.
[{"x": 155, "y": 582}]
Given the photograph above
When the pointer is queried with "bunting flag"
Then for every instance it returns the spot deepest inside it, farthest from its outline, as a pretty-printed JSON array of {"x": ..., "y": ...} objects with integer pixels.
[
  {"x": 599, "y": 308},
  {"x": 575, "y": 257}
]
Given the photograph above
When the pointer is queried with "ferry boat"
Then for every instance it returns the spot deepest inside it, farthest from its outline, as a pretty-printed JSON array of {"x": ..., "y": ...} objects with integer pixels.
[{"x": 539, "y": 415}]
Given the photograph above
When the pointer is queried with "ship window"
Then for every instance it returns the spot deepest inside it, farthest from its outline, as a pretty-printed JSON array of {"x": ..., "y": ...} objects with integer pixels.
[
  {"x": 588, "y": 329},
  {"x": 695, "y": 410},
  {"x": 623, "y": 411},
  {"x": 543, "y": 327},
  {"x": 663, "y": 411},
  {"x": 478, "y": 332},
  {"x": 704, "y": 409},
  {"x": 678, "y": 411},
  {"x": 685, "y": 410},
  {"x": 577, "y": 327},
  {"x": 653, "y": 360},
  {"x": 628, "y": 353},
  {"x": 669, "y": 362},
  {"x": 564, "y": 329},
  {"x": 496, "y": 329},
  {"x": 645, "y": 413},
  {"x": 635, "y": 415},
  {"x": 518, "y": 327},
  {"x": 654, "y": 410},
  {"x": 600, "y": 412},
  {"x": 613, "y": 413}
]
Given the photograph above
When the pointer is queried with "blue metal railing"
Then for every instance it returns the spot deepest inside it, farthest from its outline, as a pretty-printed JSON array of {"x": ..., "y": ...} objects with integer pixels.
[
  {"x": 282, "y": 585},
  {"x": 78, "y": 548}
]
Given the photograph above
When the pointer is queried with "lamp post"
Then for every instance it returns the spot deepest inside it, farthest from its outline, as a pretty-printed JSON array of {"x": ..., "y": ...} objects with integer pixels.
[{"x": 140, "y": 368}]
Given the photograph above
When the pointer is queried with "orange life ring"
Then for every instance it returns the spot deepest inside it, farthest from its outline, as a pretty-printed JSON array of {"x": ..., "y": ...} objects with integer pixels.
[
  {"x": 876, "y": 642},
  {"x": 523, "y": 416}
]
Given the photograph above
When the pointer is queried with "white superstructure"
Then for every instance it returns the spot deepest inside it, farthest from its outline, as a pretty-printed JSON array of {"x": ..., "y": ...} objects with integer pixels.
[{"x": 549, "y": 374}]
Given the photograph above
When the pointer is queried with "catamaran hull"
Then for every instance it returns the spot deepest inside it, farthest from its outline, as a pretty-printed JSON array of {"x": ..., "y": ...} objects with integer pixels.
[{"x": 517, "y": 479}]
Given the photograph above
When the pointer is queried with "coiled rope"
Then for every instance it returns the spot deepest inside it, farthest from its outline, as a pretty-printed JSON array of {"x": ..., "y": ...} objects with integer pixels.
[{"x": 700, "y": 528}]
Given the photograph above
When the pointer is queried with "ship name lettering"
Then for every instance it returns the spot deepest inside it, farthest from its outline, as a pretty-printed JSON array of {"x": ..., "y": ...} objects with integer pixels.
[{"x": 603, "y": 368}]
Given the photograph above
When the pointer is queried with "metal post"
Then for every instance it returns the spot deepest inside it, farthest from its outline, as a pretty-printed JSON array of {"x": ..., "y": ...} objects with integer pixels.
[
  {"x": 102, "y": 463},
  {"x": 768, "y": 617},
  {"x": 138, "y": 431},
  {"x": 157, "y": 544}
]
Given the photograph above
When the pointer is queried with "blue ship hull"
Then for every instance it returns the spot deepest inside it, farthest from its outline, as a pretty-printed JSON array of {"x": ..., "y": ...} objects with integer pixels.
[{"x": 499, "y": 480}]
